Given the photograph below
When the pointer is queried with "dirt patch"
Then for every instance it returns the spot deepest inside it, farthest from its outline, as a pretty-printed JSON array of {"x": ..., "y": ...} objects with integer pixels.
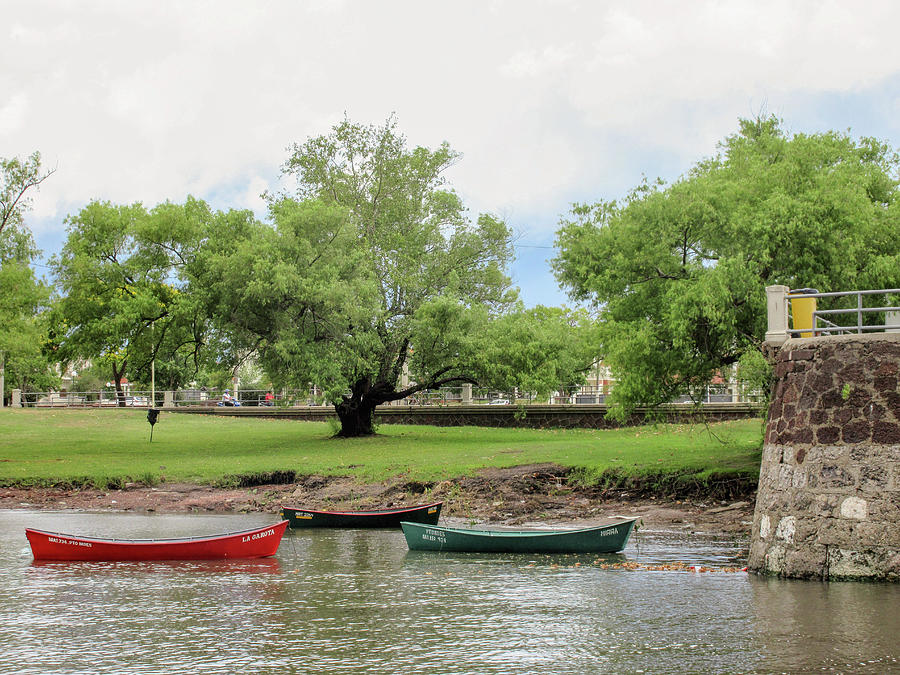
[{"x": 526, "y": 494}]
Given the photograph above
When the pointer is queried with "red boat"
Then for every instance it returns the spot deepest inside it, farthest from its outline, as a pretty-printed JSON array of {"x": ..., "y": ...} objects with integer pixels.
[{"x": 258, "y": 543}]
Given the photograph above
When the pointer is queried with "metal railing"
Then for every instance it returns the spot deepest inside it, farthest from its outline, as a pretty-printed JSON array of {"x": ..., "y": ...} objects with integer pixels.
[
  {"x": 891, "y": 320},
  {"x": 446, "y": 396},
  {"x": 88, "y": 399}
]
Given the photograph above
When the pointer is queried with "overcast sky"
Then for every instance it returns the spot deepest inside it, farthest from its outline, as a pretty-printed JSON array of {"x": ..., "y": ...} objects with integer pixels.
[{"x": 550, "y": 102}]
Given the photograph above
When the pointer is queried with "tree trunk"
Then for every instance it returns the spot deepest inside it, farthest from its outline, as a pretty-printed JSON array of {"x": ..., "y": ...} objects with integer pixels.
[
  {"x": 117, "y": 380},
  {"x": 357, "y": 418}
]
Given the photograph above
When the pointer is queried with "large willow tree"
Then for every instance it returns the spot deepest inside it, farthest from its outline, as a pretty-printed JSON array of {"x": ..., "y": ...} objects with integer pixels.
[
  {"x": 372, "y": 269},
  {"x": 679, "y": 272}
]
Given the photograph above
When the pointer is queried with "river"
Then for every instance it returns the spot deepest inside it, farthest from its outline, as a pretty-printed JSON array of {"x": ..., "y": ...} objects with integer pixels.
[{"x": 356, "y": 601}]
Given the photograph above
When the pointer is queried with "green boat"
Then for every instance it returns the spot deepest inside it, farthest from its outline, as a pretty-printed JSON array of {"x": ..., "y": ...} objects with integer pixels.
[{"x": 603, "y": 539}]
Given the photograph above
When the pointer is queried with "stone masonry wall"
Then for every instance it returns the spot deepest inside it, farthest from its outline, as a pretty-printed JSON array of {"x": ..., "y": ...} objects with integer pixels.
[{"x": 828, "y": 504}]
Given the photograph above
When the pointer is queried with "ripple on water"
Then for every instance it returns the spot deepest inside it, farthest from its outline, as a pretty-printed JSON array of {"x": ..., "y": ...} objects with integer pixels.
[{"x": 355, "y": 601}]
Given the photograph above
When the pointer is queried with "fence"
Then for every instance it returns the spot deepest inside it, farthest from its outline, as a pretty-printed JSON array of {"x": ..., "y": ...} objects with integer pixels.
[
  {"x": 859, "y": 311},
  {"x": 800, "y": 308},
  {"x": 447, "y": 396}
]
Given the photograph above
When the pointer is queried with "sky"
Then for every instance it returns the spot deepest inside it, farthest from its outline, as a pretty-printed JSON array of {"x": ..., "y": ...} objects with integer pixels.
[{"x": 550, "y": 102}]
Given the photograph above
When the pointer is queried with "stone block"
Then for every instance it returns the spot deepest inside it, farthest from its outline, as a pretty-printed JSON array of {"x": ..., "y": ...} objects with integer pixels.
[
  {"x": 869, "y": 535},
  {"x": 827, "y": 435},
  {"x": 833, "y": 452},
  {"x": 886, "y": 433},
  {"x": 862, "y": 453},
  {"x": 785, "y": 476},
  {"x": 783, "y": 368},
  {"x": 885, "y": 509},
  {"x": 817, "y": 417},
  {"x": 851, "y": 563},
  {"x": 824, "y": 506},
  {"x": 772, "y": 453},
  {"x": 834, "y": 476},
  {"x": 872, "y": 478},
  {"x": 856, "y": 432},
  {"x": 773, "y": 561},
  {"x": 885, "y": 383},
  {"x": 786, "y": 528},
  {"x": 842, "y": 416},
  {"x": 831, "y": 400},
  {"x": 837, "y": 532},
  {"x": 757, "y": 557},
  {"x": 805, "y": 563},
  {"x": 854, "y": 508}
]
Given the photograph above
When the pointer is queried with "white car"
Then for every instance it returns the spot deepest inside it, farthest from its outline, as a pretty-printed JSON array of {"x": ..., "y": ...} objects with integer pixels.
[{"x": 499, "y": 401}]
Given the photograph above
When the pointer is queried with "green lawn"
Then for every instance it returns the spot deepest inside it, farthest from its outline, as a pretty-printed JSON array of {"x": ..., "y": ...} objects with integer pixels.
[{"x": 108, "y": 447}]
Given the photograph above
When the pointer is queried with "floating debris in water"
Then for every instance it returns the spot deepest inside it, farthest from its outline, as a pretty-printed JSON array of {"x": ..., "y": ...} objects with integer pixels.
[{"x": 665, "y": 567}]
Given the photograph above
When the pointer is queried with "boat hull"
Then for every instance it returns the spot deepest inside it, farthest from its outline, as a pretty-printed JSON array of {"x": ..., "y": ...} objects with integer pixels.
[
  {"x": 605, "y": 539},
  {"x": 256, "y": 543},
  {"x": 384, "y": 518}
]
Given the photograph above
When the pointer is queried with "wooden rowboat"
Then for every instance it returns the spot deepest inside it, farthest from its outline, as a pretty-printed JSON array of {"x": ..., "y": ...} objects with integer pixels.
[
  {"x": 604, "y": 539},
  {"x": 299, "y": 517},
  {"x": 257, "y": 543}
]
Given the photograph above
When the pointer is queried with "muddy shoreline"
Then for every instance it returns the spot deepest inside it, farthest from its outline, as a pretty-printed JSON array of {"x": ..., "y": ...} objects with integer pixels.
[{"x": 520, "y": 495}]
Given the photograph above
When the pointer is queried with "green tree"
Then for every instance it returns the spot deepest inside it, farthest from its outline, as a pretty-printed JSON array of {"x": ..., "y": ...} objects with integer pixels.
[
  {"x": 20, "y": 179},
  {"x": 23, "y": 297},
  {"x": 120, "y": 272},
  {"x": 679, "y": 272},
  {"x": 370, "y": 271}
]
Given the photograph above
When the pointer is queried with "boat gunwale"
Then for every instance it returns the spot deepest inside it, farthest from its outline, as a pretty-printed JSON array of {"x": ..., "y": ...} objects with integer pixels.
[
  {"x": 144, "y": 542},
  {"x": 381, "y": 512}
]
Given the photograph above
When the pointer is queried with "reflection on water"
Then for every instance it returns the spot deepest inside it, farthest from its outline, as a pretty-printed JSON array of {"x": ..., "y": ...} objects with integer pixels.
[{"x": 354, "y": 601}]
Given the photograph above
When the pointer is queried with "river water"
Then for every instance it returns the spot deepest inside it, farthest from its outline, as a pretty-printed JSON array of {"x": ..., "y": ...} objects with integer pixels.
[{"x": 356, "y": 601}]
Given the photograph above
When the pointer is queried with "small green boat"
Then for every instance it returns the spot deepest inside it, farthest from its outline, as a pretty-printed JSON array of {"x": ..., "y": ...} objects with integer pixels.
[{"x": 603, "y": 539}]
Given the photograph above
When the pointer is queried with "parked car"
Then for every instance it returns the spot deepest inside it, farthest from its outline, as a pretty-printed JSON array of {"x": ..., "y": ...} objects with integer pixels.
[{"x": 499, "y": 401}]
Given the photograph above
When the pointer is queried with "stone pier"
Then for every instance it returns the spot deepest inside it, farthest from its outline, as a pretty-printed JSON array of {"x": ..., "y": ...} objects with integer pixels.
[{"x": 828, "y": 504}]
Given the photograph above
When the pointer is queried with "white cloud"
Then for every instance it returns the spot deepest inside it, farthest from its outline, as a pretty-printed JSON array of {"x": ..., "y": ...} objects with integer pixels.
[
  {"x": 549, "y": 101},
  {"x": 12, "y": 114}
]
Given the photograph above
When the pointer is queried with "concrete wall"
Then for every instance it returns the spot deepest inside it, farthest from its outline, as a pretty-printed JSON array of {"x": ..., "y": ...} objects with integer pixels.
[
  {"x": 532, "y": 416},
  {"x": 828, "y": 504}
]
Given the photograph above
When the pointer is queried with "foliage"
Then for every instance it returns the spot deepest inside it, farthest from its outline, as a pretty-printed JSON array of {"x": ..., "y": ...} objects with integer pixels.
[
  {"x": 20, "y": 178},
  {"x": 371, "y": 272},
  {"x": 678, "y": 273},
  {"x": 123, "y": 305},
  {"x": 23, "y": 297}
]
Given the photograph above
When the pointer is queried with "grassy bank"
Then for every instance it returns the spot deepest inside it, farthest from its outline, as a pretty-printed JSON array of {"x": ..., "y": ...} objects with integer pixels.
[{"x": 107, "y": 448}]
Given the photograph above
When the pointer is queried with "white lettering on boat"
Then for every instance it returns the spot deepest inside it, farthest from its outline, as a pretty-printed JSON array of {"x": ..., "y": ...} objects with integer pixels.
[
  {"x": 606, "y": 533},
  {"x": 434, "y": 535},
  {"x": 257, "y": 535},
  {"x": 303, "y": 515},
  {"x": 70, "y": 542},
  {"x": 432, "y": 509}
]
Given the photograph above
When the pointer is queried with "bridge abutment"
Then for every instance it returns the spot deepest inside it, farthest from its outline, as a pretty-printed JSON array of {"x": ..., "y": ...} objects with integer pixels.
[{"x": 828, "y": 504}]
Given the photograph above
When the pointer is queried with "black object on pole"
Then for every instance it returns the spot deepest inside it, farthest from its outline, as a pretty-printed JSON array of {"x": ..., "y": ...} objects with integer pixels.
[{"x": 152, "y": 416}]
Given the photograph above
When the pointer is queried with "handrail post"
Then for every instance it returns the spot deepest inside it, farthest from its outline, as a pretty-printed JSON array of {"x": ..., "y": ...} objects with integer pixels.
[
  {"x": 859, "y": 313},
  {"x": 776, "y": 308},
  {"x": 803, "y": 311}
]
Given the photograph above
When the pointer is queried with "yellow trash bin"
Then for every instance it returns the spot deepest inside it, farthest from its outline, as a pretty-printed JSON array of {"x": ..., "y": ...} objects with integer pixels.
[{"x": 802, "y": 311}]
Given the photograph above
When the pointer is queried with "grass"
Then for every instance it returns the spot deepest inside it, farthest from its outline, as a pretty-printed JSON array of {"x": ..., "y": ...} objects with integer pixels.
[{"x": 107, "y": 448}]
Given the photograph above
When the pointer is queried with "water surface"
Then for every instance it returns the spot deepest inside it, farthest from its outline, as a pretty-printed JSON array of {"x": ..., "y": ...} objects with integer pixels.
[{"x": 355, "y": 601}]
